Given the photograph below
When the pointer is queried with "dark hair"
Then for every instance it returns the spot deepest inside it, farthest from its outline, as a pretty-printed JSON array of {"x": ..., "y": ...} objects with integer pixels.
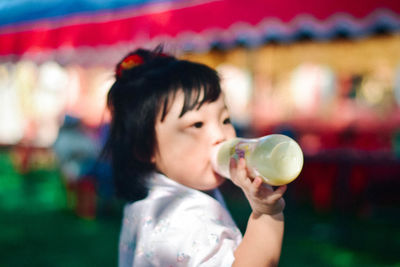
[{"x": 139, "y": 94}]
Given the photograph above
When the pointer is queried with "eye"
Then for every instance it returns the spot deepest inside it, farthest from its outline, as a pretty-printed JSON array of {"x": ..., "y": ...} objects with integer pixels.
[
  {"x": 227, "y": 121},
  {"x": 198, "y": 124}
]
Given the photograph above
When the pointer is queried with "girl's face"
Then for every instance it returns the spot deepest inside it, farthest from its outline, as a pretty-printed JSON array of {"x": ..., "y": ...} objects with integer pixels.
[{"x": 184, "y": 144}]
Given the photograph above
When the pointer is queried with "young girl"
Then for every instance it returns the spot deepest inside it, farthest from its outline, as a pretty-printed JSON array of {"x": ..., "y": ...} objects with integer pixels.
[{"x": 167, "y": 115}]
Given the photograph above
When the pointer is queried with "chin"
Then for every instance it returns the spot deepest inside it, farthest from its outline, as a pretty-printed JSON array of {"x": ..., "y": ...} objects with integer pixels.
[
  {"x": 212, "y": 183},
  {"x": 219, "y": 179}
]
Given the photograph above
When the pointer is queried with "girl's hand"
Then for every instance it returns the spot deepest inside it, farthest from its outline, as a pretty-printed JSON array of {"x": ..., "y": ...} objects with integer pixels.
[{"x": 263, "y": 198}]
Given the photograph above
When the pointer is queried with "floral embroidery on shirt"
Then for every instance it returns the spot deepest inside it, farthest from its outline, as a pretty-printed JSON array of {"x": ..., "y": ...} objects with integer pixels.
[
  {"x": 162, "y": 226},
  {"x": 213, "y": 238},
  {"x": 147, "y": 221},
  {"x": 181, "y": 257},
  {"x": 149, "y": 254},
  {"x": 195, "y": 246},
  {"x": 139, "y": 251}
]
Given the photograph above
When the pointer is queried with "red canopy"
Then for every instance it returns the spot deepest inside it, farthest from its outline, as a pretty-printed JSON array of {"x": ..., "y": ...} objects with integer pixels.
[{"x": 195, "y": 25}]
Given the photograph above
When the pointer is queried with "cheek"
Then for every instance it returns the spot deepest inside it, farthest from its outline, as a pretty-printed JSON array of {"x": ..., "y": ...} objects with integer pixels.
[
  {"x": 179, "y": 149},
  {"x": 230, "y": 131},
  {"x": 186, "y": 163},
  {"x": 194, "y": 156}
]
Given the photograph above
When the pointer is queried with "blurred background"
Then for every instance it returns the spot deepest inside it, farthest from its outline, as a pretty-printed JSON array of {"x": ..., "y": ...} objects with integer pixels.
[{"x": 325, "y": 73}]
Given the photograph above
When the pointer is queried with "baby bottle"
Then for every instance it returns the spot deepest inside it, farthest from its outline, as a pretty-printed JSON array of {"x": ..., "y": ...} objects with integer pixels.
[{"x": 276, "y": 158}]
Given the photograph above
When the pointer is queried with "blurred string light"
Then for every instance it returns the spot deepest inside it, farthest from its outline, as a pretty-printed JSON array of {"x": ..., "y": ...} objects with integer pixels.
[
  {"x": 24, "y": 80},
  {"x": 95, "y": 112},
  {"x": 236, "y": 84},
  {"x": 11, "y": 122},
  {"x": 371, "y": 91},
  {"x": 74, "y": 89},
  {"x": 86, "y": 94},
  {"x": 376, "y": 89},
  {"x": 396, "y": 85},
  {"x": 49, "y": 101},
  {"x": 312, "y": 86}
]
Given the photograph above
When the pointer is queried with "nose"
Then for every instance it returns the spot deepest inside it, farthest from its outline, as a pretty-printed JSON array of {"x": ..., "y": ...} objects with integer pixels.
[{"x": 218, "y": 135}]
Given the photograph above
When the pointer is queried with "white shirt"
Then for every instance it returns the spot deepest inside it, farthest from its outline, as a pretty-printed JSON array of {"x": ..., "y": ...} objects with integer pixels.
[{"x": 177, "y": 226}]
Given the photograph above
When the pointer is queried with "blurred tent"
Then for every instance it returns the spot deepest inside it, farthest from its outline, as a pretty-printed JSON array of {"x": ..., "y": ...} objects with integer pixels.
[{"x": 95, "y": 31}]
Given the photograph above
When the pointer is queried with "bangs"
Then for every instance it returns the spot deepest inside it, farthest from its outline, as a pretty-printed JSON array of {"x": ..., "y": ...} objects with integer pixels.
[{"x": 199, "y": 84}]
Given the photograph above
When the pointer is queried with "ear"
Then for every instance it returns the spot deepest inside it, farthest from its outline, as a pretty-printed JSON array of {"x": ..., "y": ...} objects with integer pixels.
[{"x": 153, "y": 157}]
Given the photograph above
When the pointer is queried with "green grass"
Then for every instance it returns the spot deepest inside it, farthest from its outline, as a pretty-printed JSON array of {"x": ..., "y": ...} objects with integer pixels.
[
  {"x": 335, "y": 240},
  {"x": 57, "y": 238}
]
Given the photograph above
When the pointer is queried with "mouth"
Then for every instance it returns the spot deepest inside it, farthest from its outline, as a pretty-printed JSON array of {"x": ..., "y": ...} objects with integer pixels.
[{"x": 216, "y": 174}]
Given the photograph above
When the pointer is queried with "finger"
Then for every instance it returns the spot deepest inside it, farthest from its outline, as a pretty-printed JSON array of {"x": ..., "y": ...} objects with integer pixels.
[
  {"x": 282, "y": 189},
  {"x": 232, "y": 163},
  {"x": 257, "y": 186},
  {"x": 233, "y": 170},
  {"x": 237, "y": 170},
  {"x": 242, "y": 172},
  {"x": 278, "y": 193},
  {"x": 257, "y": 182},
  {"x": 268, "y": 187}
]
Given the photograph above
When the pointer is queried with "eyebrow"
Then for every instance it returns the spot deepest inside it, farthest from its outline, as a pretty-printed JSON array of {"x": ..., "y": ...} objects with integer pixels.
[{"x": 222, "y": 110}]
